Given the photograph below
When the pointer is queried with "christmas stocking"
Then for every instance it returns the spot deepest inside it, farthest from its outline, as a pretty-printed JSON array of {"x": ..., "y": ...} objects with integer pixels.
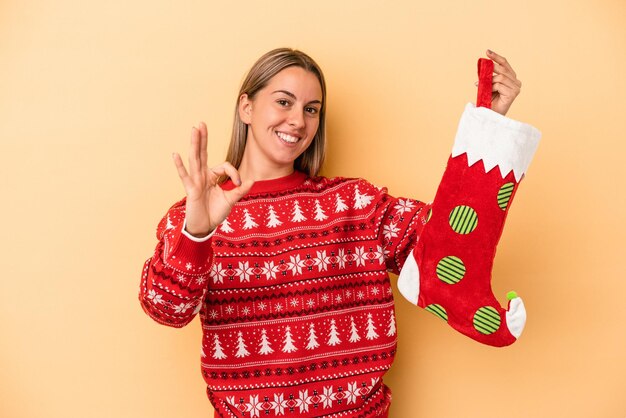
[{"x": 449, "y": 271}]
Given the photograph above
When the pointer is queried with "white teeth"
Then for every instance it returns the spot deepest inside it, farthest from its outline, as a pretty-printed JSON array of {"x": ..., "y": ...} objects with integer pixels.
[{"x": 287, "y": 138}]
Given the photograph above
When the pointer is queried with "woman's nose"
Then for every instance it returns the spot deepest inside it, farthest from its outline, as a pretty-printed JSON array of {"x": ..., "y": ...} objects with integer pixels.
[{"x": 296, "y": 118}]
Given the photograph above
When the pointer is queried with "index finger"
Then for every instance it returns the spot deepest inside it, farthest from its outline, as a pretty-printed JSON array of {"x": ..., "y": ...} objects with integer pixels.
[
  {"x": 228, "y": 169},
  {"x": 500, "y": 60}
]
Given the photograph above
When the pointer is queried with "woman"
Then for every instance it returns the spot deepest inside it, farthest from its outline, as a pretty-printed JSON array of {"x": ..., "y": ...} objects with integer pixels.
[{"x": 289, "y": 271}]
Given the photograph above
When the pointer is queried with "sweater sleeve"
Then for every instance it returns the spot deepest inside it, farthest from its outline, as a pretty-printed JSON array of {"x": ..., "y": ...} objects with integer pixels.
[
  {"x": 398, "y": 222},
  {"x": 174, "y": 280},
  {"x": 444, "y": 251}
]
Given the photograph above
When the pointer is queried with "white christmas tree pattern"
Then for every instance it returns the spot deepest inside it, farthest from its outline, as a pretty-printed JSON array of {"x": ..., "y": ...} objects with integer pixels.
[
  {"x": 319, "y": 212},
  {"x": 354, "y": 335},
  {"x": 340, "y": 205},
  {"x": 169, "y": 224},
  {"x": 225, "y": 226},
  {"x": 248, "y": 220},
  {"x": 288, "y": 347},
  {"x": 272, "y": 218},
  {"x": 218, "y": 353},
  {"x": 333, "y": 335},
  {"x": 241, "y": 346},
  {"x": 297, "y": 213},
  {"x": 392, "y": 325},
  {"x": 371, "y": 328},
  {"x": 312, "y": 344},
  {"x": 361, "y": 200},
  {"x": 264, "y": 345}
]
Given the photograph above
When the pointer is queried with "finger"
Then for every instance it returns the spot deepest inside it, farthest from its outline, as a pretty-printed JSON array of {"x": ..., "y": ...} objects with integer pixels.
[
  {"x": 502, "y": 79},
  {"x": 499, "y": 59},
  {"x": 507, "y": 75},
  {"x": 232, "y": 172},
  {"x": 229, "y": 170},
  {"x": 194, "y": 152},
  {"x": 180, "y": 168},
  {"x": 203, "y": 145},
  {"x": 233, "y": 196},
  {"x": 501, "y": 69},
  {"x": 514, "y": 85},
  {"x": 504, "y": 91}
]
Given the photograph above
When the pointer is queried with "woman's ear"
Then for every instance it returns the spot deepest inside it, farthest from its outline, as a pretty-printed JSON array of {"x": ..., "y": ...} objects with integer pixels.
[{"x": 245, "y": 108}]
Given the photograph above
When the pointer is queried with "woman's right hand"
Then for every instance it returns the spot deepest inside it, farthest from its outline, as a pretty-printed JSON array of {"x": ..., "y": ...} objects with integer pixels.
[{"x": 207, "y": 203}]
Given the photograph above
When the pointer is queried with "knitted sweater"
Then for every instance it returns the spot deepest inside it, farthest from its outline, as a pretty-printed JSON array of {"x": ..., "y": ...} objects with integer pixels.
[{"x": 293, "y": 289}]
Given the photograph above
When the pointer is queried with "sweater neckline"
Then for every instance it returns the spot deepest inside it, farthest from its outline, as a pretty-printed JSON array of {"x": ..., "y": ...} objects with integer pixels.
[{"x": 272, "y": 185}]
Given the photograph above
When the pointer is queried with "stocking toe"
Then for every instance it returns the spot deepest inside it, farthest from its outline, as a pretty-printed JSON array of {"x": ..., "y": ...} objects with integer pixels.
[{"x": 516, "y": 315}]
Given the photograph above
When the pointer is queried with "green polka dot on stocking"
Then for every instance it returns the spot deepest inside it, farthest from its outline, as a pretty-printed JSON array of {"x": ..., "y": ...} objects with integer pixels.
[
  {"x": 450, "y": 269},
  {"x": 437, "y": 310},
  {"x": 463, "y": 219},
  {"x": 487, "y": 320},
  {"x": 504, "y": 195}
]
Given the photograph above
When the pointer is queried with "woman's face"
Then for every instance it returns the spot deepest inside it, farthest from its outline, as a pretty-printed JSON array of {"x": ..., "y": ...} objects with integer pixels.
[{"x": 282, "y": 118}]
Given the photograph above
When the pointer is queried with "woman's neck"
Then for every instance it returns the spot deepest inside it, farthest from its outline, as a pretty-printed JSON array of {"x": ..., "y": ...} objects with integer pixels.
[{"x": 257, "y": 171}]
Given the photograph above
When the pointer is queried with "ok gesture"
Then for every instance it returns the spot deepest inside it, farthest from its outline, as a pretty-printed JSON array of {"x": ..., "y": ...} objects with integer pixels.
[{"x": 207, "y": 203}]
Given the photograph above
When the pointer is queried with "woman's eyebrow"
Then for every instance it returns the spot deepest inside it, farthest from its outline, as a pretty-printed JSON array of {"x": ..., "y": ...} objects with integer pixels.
[
  {"x": 293, "y": 96},
  {"x": 288, "y": 93}
]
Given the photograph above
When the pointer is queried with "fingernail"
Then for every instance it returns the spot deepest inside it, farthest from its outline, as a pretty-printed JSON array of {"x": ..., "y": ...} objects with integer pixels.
[
  {"x": 476, "y": 83},
  {"x": 489, "y": 51},
  {"x": 238, "y": 182}
]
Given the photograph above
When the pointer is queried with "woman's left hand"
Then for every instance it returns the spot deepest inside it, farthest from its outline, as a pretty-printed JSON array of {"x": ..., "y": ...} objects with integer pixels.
[{"x": 505, "y": 85}]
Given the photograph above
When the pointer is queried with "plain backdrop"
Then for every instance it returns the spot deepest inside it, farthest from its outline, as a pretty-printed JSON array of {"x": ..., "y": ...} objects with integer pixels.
[{"x": 95, "y": 96}]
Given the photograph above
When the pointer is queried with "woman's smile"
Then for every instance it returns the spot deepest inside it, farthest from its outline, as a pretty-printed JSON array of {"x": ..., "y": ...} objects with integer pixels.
[{"x": 289, "y": 139}]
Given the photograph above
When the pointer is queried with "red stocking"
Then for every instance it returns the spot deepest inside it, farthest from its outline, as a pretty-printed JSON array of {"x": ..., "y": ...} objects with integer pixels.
[{"x": 449, "y": 272}]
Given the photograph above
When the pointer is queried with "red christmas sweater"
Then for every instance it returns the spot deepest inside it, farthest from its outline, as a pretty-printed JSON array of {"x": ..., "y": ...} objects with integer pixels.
[{"x": 293, "y": 289}]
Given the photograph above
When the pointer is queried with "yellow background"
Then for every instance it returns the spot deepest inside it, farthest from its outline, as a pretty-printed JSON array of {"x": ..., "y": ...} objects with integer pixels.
[{"x": 94, "y": 97}]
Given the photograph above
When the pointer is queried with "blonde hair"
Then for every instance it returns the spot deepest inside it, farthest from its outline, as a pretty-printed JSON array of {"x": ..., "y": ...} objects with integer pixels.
[{"x": 266, "y": 67}]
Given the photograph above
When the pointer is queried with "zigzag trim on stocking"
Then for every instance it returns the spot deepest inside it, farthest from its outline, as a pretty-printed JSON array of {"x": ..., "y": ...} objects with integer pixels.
[{"x": 496, "y": 140}]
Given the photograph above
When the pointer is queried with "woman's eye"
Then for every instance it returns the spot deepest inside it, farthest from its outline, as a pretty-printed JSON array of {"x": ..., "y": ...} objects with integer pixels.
[
  {"x": 311, "y": 110},
  {"x": 283, "y": 102}
]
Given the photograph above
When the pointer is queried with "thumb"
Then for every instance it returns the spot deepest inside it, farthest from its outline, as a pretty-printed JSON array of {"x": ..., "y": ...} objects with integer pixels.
[{"x": 237, "y": 193}]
